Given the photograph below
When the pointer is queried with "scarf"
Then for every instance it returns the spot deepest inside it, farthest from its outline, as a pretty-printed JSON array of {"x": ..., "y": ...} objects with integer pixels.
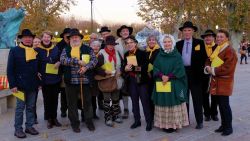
[
  {"x": 47, "y": 48},
  {"x": 209, "y": 49},
  {"x": 111, "y": 54},
  {"x": 75, "y": 52},
  {"x": 217, "y": 50},
  {"x": 30, "y": 53},
  {"x": 148, "y": 49},
  {"x": 132, "y": 53}
]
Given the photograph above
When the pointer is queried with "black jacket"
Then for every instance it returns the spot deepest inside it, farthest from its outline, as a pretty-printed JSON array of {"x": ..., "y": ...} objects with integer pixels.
[{"x": 198, "y": 57}]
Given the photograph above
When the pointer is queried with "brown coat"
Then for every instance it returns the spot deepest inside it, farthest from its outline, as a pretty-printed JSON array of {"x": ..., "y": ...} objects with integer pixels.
[{"x": 222, "y": 80}]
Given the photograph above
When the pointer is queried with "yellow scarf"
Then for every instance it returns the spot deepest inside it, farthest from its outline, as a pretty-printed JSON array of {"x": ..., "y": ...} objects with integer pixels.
[
  {"x": 209, "y": 49},
  {"x": 217, "y": 50},
  {"x": 47, "y": 49},
  {"x": 148, "y": 49},
  {"x": 75, "y": 52},
  {"x": 30, "y": 53},
  {"x": 132, "y": 53}
]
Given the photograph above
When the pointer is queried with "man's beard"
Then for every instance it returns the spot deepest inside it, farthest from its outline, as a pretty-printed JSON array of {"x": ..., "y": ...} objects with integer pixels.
[{"x": 75, "y": 43}]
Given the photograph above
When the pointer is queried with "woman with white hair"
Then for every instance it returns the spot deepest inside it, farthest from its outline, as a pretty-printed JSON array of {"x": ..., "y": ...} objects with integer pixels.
[{"x": 169, "y": 94}]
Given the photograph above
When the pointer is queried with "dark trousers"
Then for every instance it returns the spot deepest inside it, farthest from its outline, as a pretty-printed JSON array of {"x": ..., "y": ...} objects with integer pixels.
[
  {"x": 150, "y": 90},
  {"x": 64, "y": 106},
  {"x": 195, "y": 87},
  {"x": 242, "y": 57},
  {"x": 225, "y": 112},
  {"x": 209, "y": 110},
  {"x": 50, "y": 99},
  {"x": 94, "y": 104},
  {"x": 73, "y": 94},
  {"x": 137, "y": 92}
]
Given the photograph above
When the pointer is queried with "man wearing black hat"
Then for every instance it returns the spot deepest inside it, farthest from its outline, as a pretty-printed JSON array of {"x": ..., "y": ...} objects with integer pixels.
[
  {"x": 194, "y": 57},
  {"x": 61, "y": 45},
  {"x": 209, "y": 111},
  {"x": 105, "y": 32},
  {"x": 123, "y": 32},
  {"x": 78, "y": 60},
  {"x": 22, "y": 70}
]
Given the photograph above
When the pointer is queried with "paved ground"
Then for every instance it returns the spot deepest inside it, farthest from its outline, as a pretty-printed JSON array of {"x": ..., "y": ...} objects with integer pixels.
[{"x": 240, "y": 102}]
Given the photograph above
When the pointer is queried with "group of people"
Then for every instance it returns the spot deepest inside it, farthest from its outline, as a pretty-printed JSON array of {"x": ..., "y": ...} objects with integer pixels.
[{"x": 103, "y": 72}]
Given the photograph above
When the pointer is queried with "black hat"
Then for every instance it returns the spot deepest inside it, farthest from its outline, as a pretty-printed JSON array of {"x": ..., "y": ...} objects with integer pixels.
[
  {"x": 104, "y": 29},
  {"x": 132, "y": 38},
  {"x": 26, "y": 32},
  {"x": 110, "y": 40},
  {"x": 208, "y": 33},
  {"x": 188, "y": 24},
  {"x": 73, "y": 32},
  {"x": 65, "y": 31},
  {"x": 130, "y": 29}
]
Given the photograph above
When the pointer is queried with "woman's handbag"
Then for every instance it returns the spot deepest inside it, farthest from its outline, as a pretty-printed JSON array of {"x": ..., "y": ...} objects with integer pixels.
[{"x": 107, "y": 85}]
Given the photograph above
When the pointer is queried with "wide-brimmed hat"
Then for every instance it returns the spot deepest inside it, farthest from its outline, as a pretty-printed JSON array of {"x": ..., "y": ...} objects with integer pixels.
[
  {"x": 26, "y": 32},
  {"x": 132, "y": 38},
  {"x": 208, "y": 32},
  {"x": 110, "y": 40},
  {"x": 188, "y": 24},
  {"x": 73, "y": 32},
  {"x": 104, "y": 29},
  {"x": 65, "y": 31},
  {"x": 130, "y": 29}
]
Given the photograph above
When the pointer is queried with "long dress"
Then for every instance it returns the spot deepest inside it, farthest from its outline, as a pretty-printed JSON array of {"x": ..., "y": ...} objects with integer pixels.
[{"x": 170, "y": 107}]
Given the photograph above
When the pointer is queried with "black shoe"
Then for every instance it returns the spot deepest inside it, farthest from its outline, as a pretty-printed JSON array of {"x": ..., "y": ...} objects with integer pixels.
[
  {"x": 149, "y": 127},
  {"x": 20, "y": 134},
  {"x": 90, "y": 125},
  {"x": 135, "y": 124},
  {"x": 219, "y": 130},
  {"x": 63, "y": 114},
  {"x": 227, "y": 132},
  {"x": 199, "y": 126},
  {"x": 215, "y": 118},
  {"x": 170, "y": 130},
  {"x": 31, "y": 131},
  {"x": 125, "y": 114},
  {"x": 57, "y": 123},
  {"x": 77, "y": 130},
  {"x": 207, "y": 118},
  {"x": 50, "y": 124}
]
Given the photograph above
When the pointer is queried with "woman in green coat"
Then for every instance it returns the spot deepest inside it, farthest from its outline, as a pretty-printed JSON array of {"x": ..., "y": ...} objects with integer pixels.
[{"x": 169, "y": 94}]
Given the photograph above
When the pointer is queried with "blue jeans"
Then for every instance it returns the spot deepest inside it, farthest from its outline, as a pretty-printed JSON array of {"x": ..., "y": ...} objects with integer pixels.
[{"x": 29, "y": 105}]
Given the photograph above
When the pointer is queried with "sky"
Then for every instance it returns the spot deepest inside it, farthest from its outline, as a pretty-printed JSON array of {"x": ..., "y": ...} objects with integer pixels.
[{"x": 106, "y": 11}]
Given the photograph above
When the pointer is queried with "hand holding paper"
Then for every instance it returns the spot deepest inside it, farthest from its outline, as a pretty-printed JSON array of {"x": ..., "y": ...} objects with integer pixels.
[
  {"x": 132, "y": 60},
  {"x": 85, "y": 58},
  {"x": 19, "y": 95}
]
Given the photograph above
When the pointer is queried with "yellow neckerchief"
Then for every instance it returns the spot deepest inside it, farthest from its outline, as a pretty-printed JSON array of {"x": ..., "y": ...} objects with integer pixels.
[
  {"x": 132, "y": 53},
  {"x": 96, "y": 55},
  {"x": 30, "y": 53},
  {"x": 47, "y": 49},
  {"x": 217, "y": 50},
  {"x": 148, "y": 49},
  {"x": 75, "y": 52},
  {"x": 209, "y": 49}
]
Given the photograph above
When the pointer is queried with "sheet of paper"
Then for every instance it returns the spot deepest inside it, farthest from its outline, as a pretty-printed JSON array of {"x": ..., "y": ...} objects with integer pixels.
[
  {"x": 50, "y": 69},
  {"x": 132, "y": 60},
  {"x": 163, "y": 88},
  {"x": 108, "y": 67},
  {"x": 19, "y": 95},
  {"x": 217, "y": 62},
  {"x": 85, "y": 58}
]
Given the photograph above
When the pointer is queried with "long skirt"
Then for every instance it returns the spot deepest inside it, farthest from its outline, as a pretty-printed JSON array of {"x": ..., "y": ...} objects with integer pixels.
[{"x": 171, "y": 116}]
